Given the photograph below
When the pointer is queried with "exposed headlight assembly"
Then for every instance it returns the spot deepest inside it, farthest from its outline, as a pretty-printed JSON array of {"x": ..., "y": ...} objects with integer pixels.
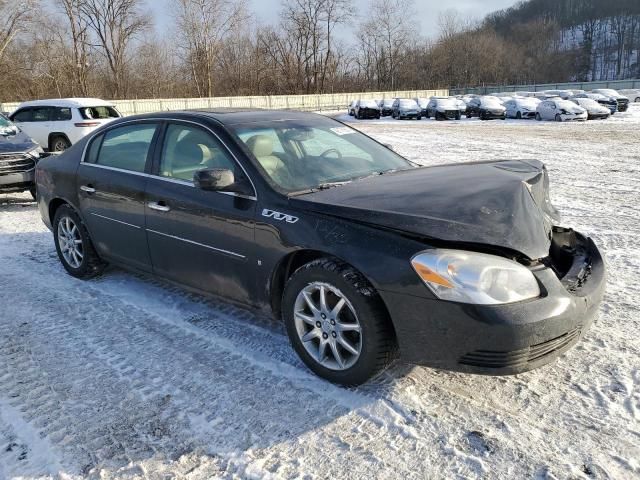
[
  {"x": 470, "y": 277},
  {"x": 36, "y": 152}
]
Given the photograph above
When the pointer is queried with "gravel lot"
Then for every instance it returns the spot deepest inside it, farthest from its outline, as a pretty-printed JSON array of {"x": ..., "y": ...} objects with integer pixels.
[{"x": 128, "y": 377}]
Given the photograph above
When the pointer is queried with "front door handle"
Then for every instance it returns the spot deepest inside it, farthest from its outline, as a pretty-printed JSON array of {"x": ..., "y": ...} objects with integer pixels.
[
  {"x": 160, "y": 206},
  {"x": 87, "y": 188}
]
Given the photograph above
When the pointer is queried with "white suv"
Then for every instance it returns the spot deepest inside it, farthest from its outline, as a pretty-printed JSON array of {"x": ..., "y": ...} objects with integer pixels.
[{"x": 59, "y": 123}]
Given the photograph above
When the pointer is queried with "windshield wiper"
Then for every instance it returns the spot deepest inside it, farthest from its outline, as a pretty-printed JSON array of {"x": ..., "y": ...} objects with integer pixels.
[{"x": 318, "y": 188}]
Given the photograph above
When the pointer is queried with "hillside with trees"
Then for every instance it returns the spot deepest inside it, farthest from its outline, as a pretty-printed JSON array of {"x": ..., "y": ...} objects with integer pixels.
[{"x": 112, "y": 49}]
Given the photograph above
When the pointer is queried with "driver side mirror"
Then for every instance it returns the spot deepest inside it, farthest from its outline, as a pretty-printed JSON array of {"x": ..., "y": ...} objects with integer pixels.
[{"x": 221, "y": 180}]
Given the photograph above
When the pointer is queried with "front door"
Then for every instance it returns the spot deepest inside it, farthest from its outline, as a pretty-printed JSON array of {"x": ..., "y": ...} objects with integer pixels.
[
  {"x": 111, "y": 185},
  {"x": 204, "y": 239}
]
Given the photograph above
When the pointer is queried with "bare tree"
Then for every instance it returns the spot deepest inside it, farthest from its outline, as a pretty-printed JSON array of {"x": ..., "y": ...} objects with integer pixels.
[
  {"x": 202, "y": 25},
  {"x": 15, "y": 16},
  {"x": 79, "y": 36},
  {"x": 115, "y": 23}
]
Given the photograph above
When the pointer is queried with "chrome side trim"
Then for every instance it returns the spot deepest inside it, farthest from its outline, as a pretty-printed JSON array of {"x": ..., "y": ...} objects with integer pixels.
[
  {"x": 117, "y": 221},
  {"x": 164, "y": 119},
  {"x": 227, "y": 252}
]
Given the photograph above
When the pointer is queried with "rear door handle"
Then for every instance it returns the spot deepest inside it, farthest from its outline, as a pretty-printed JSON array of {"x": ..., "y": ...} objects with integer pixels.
[
  {"x": 87, "y": 188},
  {"x": 160, "y": 206}
]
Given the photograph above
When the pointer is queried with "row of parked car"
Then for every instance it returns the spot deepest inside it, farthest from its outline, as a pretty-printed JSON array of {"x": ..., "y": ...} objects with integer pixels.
[
  {"x": 558, "y": 105},
  {"x": 53, "y": 125}
]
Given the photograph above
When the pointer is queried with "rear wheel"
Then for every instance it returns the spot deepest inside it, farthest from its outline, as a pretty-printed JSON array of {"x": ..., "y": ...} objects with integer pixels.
[
  {"x": 558, "y": 117},
  {"x": 538, "y": 117},
  {"x": 337, "y": 323},
  {"x": 74, "y": 246},
  {"x": 518, "y": 116},
  {"x": 33, "y": 192},
  {"x": 59, "y": 143}
]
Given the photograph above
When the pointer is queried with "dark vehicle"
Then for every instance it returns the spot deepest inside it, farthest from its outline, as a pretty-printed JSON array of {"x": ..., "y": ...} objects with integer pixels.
[
  {"x": 621, "y": 100},
  {"x": 443, "y": 108},
  {"x": 422, "y": 103},
  {"x": 486, "y": 108},
  {"x": 18, "y": 157},
  {"x": 367, "y": 109},
  {"x": 603, "y": 100},
  {"x": 406, "y": 108},
  {"x": 386, "y": 106},
  {"x": 351, "y": 109},
  {"x": 361, "y": 253}
]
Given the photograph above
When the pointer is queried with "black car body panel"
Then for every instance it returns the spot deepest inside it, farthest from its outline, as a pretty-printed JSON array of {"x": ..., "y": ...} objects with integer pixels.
[
  {"x": 503, "y": 204},
  {"x": 17, "y": 161},
  {"x": 242, "y": 247}
]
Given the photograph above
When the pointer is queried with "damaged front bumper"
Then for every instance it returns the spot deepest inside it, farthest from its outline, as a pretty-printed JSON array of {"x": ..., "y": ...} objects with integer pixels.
[{"x": 510, "y": 338}]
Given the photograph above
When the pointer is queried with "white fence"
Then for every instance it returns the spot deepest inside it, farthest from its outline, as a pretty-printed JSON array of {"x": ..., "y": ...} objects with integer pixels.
[{"x": 337, "y": 101}]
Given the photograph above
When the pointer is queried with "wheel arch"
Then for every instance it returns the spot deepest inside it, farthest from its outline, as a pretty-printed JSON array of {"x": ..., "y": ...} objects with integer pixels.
[
  {"x": 52, "y": 135},
  {"x": 291, "y": 262}
]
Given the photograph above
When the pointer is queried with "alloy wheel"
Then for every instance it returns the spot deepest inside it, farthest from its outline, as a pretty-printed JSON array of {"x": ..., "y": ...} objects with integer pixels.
[
  {"x": 70, "y": 242},
  {"x": 327, "y": 326}
]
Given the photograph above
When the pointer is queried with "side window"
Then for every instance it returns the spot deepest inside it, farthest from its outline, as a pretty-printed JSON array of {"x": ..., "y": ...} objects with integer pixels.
[
  {"x": 92, "y": 152},
  {"x": 41, "y": 114},
  {"x": 126, "y": 147},
  {"x": 23, "y": 115},
  {"x": 61, "y": 114},
  {"x": 188, "y": 149}
]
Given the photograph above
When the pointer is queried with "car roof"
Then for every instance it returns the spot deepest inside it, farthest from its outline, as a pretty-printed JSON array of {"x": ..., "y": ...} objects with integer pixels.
[
  {"x": 234, "y": 116},
  {"x": 67, "y": 102}
]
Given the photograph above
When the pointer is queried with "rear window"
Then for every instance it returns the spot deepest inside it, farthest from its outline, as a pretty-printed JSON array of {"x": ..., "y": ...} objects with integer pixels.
[
  {"x": 125, "y": 147},
  {"x": 98, "y": 113}
]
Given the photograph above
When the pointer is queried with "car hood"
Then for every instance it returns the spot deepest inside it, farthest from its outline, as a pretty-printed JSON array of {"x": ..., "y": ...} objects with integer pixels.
[
  {"x": 20, "y": 142},
  {"x": 502, "y": 204}
]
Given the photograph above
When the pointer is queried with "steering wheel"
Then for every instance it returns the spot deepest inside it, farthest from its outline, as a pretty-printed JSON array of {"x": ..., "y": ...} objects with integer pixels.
[{"x": 331, "y": 150}]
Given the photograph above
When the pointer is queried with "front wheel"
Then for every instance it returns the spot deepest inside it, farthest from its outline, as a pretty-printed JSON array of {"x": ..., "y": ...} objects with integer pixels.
[
  {"x": 59, "y": 143},
  {"x": 33, "y": 192},
  {"x": 538, "y": 117},
  {"x": 74, "y": 247},
  {"x": 558, "y": 117},
  {"x": 337, "y": 322},
  {"x": 518, "y": 116}
]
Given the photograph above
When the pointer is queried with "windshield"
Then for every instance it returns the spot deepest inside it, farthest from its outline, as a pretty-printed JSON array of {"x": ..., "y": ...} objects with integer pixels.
[
  {"x": 608, "y": 91},
  {"x": 587, "y": 102},
  {"x": 299, "y": 156},
  {"x": 491, "y": 102},
  {"x": 368, "y": 103},
  {"x": 422, "y": 102},
  {"x": 6, "y": 127},
  {"x": 99, "y": 113},
  {"x": 408, "y": 103},
  {"x": 447, "y": 103},
  {"x": 388, "y": 102},
  {"x": 565, "y": 104},
  {"x": 528, "y": 103}
]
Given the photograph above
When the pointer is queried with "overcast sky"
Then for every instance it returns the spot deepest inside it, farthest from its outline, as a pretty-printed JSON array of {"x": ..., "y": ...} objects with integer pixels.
[
  {"x": 267, "y": 11},
  {"x": 427, "y": 10}
]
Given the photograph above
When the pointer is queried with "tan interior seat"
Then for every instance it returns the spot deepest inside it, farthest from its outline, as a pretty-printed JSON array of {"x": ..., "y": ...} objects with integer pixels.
[{"x": 262, "y": 148}]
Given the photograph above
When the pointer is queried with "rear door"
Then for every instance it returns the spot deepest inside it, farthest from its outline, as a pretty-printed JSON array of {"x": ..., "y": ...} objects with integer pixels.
[
  {"x": 111, "y": 183},
  {"x": 204, "y": 239}
]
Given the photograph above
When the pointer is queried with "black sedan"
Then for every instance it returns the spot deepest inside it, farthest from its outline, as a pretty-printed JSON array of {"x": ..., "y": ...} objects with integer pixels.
[
  {"x": 367, "y": 109},
  {"x": 361, "y": 253},
  {"x": 18, "y": 157}
]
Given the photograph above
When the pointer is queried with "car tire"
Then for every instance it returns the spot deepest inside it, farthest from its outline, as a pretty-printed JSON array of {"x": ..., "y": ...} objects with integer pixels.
[
  {"x": 458, "y": 116},
  {"x": 84, "y": 262},
  {"x": 558, "y": 117},
  {"x": 370, "y": 333},
  {"x": 538, "y": 117},
  {"x": 518, "y": 116},
  {"x": 59, "y": 143},
  {"x": 419, "y": 117}
]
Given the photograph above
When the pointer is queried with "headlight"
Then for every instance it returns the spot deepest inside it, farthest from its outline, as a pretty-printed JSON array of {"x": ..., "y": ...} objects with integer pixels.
[
  {"x": 471, "y": 277},
  {"x": 36, "y": 152}
]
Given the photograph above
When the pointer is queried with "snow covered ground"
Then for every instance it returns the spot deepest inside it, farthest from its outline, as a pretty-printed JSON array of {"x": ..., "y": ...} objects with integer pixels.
[{"x": 128, "y": 377}]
